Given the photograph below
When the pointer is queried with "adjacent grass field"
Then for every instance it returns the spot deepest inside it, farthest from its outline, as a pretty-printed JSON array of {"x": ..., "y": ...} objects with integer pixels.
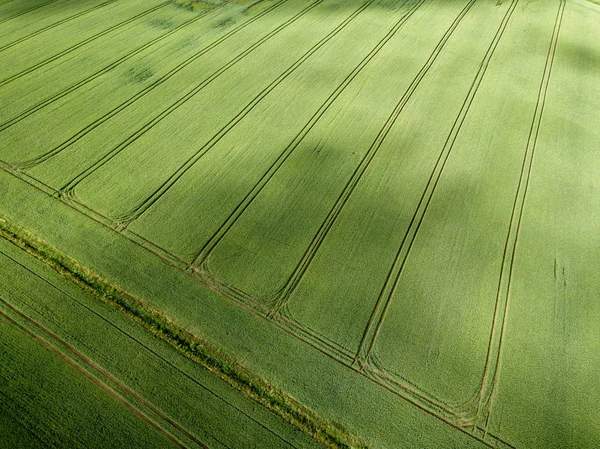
[
  {"x": 387, "y": 209},
  {"x": 183, "y": 403}
]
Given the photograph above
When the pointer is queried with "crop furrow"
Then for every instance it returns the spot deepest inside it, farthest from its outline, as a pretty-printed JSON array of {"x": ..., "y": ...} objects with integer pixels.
[
  {"x": 63, "y": 93},
  {"x": 182, "y": 100},
  {"x": 136, "y": 212},
  {"x": 362, "y": 167},
  {"x": 204, "y": 253},
  {"x": 55, "y": 24},
  {"x": 80, "y": 44},
  {"x": 490, "y": 376},
  {"x": 96, "y": 123},
  {"x": 389, "y": 287},
  {"x": 26, "y": 11}
]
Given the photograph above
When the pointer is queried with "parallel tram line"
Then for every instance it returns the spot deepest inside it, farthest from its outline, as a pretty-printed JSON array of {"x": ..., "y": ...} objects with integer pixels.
[
  {"x": 55, "y": 24},
  {"x": 57, "y": 96},
  {"x": 96, "y": 123},
  {"x": 80, "y": 44},
  {"x": 498, "y": 328},
  {"x": 331, "y": 99},
  {"x": 338, "y": 353},
  {"x": 247, "y": 303},
  {"x": 77, "y": 359},
  {"x": 206, "y": 250},
  {"x": 6, "y": 19},
  {"x": 158, "y": 251},
  {"x": 69, "y": 187},
  {"x": 143, "y": 345},
  {"x": 535, "y": 125},
  {"x": 341, "y": 355},
  {"x": 140, "y": 209},
  {"x": 362, "y": 167},
  {"x": 387, "y": 292}
]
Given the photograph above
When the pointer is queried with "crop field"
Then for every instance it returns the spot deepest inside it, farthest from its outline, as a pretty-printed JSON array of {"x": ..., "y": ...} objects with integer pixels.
[{"x": 389, "y": 210}]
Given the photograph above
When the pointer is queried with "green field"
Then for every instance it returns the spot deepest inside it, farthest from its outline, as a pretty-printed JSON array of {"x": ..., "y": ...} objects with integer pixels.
[{"x": 386, "y": 210}]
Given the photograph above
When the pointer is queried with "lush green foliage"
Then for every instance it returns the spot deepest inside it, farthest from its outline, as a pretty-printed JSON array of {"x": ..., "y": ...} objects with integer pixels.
[{"x": 363, "y": 203}]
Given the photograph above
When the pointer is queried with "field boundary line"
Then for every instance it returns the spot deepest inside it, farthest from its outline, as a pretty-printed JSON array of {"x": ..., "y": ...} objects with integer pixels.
[
  {"x": 55, "y": 24},
  {"x": 80, "y": 361},
  {"x": 498, "y": 328},
  {"x": 151, "y": 351},
  {"x": 69, "y": 188},
  {"x": 96, "y": 123},
  {"x": 6, "y": 19},
  {"x": 186, "y": 343},
  {"x": 199, "y": 261},
  {"x": 388, "y": 289},
  {"x": 81, "y": 44},
  {"x": 66, "y": 91},
  {"x": 141, "y": 208},
  {"x": 363, "y": 165},
  {"x": 333, "y": 350},
  {"x": 162, "y": 253},
  {"x": 398, "y": 389},
  {"x": 246, "y": 303}
]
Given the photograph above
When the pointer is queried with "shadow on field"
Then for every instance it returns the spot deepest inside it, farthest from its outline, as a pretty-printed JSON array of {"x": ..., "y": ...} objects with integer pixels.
[{"x": 585, "y": 59}]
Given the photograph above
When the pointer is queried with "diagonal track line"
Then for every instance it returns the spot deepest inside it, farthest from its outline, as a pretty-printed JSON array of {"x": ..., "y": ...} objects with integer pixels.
[
  {"x": 55, "y": 24},
  {"x": 492, "y": 365},
  {"x": 5, "y": 2},
  {"x": 136, "y": 212},
  {"x": 145, "y": 347},
  {"x": 389, "y": 287},
  {"x": 26, "y": 11},
  {"x": 204, "y": 253},
  {"x": 70, "y": 186},
  {"x": 104, "y": 386},
  {"x": 95, "y": 367},
  {"x": 107, "y": 116},
  {"x": 63, "y": 93},
  {"x": 360, "y": 170},
  {"x": 80, "y": 44},
  {"x": 245, "y": 303}
]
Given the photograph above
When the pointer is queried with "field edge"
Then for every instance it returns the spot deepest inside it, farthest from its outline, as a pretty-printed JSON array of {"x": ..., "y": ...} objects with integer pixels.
[{"x": 330, "y": 434}]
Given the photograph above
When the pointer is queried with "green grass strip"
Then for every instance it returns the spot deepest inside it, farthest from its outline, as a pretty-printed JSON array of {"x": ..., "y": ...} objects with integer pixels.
[{"x": 331, "y": 435}]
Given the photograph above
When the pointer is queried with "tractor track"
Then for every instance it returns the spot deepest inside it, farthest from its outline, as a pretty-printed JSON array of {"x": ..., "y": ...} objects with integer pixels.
[
  {"x": 136, "y": 212},
  {"x": 202, "y": 256},
  {"x": 71, "y": 185},
  {"x": 142, "y": 345},
  {"x": 385, "y": 298},
  {"x": 362, "y": 167},
  {"x": 55, "y": 24},
  {"x": 247, "y": 303},
  {"x": 6, "y": 19},
  {"x": 80, "y": 44},
  {"x": 498, "y": 327},
  {"x": 68, "y": 90},
  {"x": 76, "y": 359},
  {"x": 113, "y": 112}
]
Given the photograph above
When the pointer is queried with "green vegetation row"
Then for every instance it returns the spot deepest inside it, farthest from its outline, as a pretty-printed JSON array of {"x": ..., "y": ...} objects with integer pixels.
[{"x": 332, "y": 435}]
